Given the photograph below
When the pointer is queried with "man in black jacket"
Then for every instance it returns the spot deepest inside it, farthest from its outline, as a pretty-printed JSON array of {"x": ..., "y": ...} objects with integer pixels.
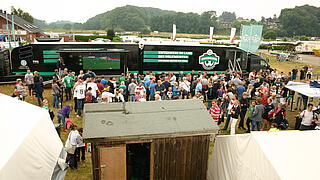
[
  {"x": 60, "y": 65},
  {"x": 244, "y": 105},
  {"x": 235, "y": 111}
]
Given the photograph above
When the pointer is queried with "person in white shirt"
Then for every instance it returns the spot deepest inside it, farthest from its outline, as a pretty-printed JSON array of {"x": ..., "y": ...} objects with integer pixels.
[
  {"x": 308, "y": 118},
  {"x": 74, "y": 139},
  {"x": 140, "y": 89},
  {"x": 157, "y": 97},
  {"x": 173, "y": 79},
  {"x": 80, "y": 91},
  {"x": 81, "y": 148},
  {"x": 107, "y": 96},
  {"x": 120, "y": 96},
  {"x": 94, "y": 89},
  {"x": 185, "y": 84},
  {"x": 28, "y": 78}
]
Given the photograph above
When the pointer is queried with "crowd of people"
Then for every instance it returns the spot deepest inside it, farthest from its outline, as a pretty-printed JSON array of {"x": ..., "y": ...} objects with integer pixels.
[{"x": 258, "y": 99}]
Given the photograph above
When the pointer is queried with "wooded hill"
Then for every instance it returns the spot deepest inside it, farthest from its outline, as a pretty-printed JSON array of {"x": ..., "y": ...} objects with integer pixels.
[{"x": 298, "y": 21}]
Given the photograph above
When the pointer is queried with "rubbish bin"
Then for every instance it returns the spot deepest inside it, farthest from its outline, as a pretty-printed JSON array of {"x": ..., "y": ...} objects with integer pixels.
[{"x": 57, "y": 126}]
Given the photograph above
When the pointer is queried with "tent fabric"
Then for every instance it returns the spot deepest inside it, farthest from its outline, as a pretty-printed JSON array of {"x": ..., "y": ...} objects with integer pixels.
[
  {"x": 60, "y": 170},
  {"x": 304, "y": 88},
  {"x": 30, "y": 145},
  {"x": 288, "y": 155}
]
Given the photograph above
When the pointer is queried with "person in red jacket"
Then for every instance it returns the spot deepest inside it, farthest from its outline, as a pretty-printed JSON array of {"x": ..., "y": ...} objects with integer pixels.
[{"x": 215, "y": 111}]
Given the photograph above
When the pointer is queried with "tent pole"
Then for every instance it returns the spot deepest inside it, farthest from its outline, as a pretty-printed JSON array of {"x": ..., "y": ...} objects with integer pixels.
[{"x": 292, "y": 102}]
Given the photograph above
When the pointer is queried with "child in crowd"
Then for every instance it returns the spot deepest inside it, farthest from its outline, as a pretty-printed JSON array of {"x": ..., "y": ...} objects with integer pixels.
[
  {"x": 273, "y": 90},
  {"x": 89, "y": 95},
  {"x": 274, "y": 128},
  {"x": 138, "y": 96},
  {"x": 169, "y": 93},
  {"x": 46, "y": 107}
]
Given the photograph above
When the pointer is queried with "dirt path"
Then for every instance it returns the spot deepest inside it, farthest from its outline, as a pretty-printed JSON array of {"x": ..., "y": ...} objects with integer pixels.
[
  {"x": 310, "y": 59},
  {"x": 305, "y": 59}
]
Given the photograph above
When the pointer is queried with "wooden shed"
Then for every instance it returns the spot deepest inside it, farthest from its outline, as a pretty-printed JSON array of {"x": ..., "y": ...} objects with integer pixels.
[{"x": 149, "y": 140}]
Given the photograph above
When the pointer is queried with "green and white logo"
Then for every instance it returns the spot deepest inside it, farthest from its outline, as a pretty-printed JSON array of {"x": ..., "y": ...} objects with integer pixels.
[
  {"x": 209, "y": 60},
  {"x": 23, "y": 62}
]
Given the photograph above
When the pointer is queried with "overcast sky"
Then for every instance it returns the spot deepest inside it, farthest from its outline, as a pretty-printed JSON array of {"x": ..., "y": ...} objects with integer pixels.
[{"x": 82, "y": 10}]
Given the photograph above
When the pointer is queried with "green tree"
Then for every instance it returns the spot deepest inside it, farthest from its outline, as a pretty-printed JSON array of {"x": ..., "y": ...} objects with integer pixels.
[
  {"x": 302, "y": 20},
  {"x": 110, "y": 34},
  {"x": 270, "y": 34},
  {"x": 207, "y": 19},
  {"x": 228, "y": 16},
  {"x": 146, "y": 30},
  {"x": 24, "y": 15},
  {"x": 67, "y": 26}
]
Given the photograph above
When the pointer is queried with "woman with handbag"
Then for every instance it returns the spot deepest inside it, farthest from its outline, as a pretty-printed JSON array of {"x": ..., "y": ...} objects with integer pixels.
[{"x": 74, "y": 139}]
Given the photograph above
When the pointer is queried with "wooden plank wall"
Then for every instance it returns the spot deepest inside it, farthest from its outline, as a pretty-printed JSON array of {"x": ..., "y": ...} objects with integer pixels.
[{"x": 184, "y": 158}]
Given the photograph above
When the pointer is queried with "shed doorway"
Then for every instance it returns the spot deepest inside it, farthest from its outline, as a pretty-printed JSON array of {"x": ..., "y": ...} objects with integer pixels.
[{"x": 138, "y": 161}]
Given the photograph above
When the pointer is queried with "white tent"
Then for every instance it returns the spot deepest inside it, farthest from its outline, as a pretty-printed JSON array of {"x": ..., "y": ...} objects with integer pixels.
[
  {"x": 288, "y": 155},
  {"x": 30, "y": 146},
  {"x": 304, "y": 88}
]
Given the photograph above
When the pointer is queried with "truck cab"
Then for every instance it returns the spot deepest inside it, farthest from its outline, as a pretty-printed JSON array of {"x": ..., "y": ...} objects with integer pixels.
[{"x": 257, "y": 63}]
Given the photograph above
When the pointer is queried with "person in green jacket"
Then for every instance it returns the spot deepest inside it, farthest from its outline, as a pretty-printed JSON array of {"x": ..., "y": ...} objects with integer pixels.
[
  {"x": 251, "y": 109},
  {"x": 68, "y": 85},
  {"x": 122, "y": 78}
]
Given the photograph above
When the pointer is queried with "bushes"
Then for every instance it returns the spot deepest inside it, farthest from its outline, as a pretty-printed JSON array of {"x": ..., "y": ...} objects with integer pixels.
[
  {"x": 276, "y": 47},
  {"x": 86, "y": 38}
]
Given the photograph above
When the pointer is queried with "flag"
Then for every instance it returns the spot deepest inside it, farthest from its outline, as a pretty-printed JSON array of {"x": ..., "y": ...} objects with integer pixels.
[
  {"x": 13, "y": 33},
  {"x": 211, "y": 34},
  {"x": 174, "y": 32},
  {"x": 251, "y": 37},
  {"x": 233, "y": 35}
]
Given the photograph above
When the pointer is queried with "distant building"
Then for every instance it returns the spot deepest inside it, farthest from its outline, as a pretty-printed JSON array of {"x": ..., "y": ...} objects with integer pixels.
[
  {"x": 67, "y": 37},
  {"x": 225, "y": 24},
  {"x": 24, "y": 31},
  {"x": 272, "y": 23}
]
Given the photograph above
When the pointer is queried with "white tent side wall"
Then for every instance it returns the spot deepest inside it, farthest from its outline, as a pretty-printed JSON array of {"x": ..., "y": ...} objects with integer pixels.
[
  {"x": 294, "y": 154},
  {"x": 30, "y": 144},
  {"x": 239, "y": 157}
]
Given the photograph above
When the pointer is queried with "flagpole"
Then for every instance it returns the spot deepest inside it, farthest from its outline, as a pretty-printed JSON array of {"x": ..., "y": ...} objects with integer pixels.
[{"x": 8, "y": 31}]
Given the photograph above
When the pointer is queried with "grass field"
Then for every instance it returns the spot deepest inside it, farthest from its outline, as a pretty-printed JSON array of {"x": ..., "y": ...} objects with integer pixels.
[{"x": 84, "y": 171}]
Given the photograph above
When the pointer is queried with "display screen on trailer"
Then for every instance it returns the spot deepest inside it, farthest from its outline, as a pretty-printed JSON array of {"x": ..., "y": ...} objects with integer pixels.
[
  {"x": 166, "y": 56},
  {"x": 101, "y": 61}
]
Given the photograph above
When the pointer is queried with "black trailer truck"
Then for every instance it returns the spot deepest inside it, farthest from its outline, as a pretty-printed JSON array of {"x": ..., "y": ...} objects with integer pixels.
[{"x": 117, "y": 58}]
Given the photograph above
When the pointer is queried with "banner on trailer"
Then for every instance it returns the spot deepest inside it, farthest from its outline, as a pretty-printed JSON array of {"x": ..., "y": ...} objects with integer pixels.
[
  {"x": 174, "y": 32},
  {"x": 233, "y": 35},
  {"x": 211, "y": 33},
  {"x": 251, "y": 37}
]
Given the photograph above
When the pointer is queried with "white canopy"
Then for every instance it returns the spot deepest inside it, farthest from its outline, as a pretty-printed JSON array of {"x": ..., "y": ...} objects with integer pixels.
[
  {"x": 288, "y": 155},
  {"x": 304, "y": 88},
  {"x": 30, "y": 146}
]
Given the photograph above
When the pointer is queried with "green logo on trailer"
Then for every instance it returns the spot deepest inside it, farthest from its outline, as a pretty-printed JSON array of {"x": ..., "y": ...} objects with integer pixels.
[{"x": 209, "y": 60}]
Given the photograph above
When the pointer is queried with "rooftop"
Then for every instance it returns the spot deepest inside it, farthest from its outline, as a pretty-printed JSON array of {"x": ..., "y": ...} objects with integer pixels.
[
  {"x": 21, "y": 23},
  {"x": 114, "y": 121}
]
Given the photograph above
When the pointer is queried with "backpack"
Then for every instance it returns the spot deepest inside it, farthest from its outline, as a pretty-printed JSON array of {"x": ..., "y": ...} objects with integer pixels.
[
  {"x": 284, "y": 125},
  {"x": 88, "y": 98}
]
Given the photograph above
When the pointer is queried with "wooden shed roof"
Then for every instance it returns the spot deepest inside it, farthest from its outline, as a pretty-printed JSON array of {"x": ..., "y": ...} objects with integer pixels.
[{"x": 146, "y": 119}]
